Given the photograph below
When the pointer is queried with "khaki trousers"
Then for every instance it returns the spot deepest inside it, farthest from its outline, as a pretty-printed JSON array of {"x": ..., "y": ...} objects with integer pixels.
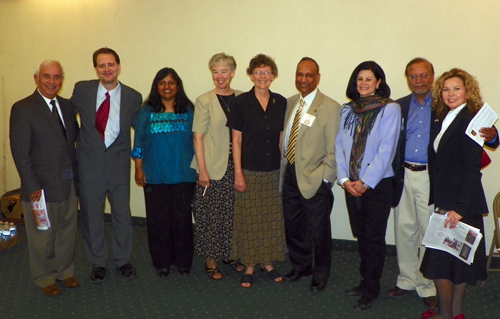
[
  {"x": 52, "y": 251},
  {"x": 411, "y": 221}
]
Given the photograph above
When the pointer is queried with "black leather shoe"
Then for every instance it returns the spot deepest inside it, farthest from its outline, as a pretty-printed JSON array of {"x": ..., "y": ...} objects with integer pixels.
[
  {"x": 128, "y": 271},
  {"x": 97, "y": 275},
  {"x": 184, "y": 271},
  {"x": 318, "y": 285},
  {"x": 162, "y": 272},
  {"x": 353, "y": 292},
  {"x": 363, "y": 304},
  {"x": 294, "y": 275},
  {"x": 396, "y": 292}
]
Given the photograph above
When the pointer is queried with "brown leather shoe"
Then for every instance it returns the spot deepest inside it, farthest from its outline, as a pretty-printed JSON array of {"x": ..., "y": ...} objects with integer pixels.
[
  {"x": 51, "y": 290},
  {"x": 431, "y": 302},
  {"x": 397, "y": 292},
  {"x": 71, "y": 282}
]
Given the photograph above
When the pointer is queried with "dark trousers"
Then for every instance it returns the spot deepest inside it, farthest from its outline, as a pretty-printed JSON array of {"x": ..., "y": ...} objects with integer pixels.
[
  {"x": 368, "y": 216},
  {"x": 169, "y": 222},
  {"x": 307, "y": 226}
]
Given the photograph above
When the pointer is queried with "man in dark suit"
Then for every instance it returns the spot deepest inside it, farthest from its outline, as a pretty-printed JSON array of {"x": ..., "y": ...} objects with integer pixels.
[
  {"x": 43, "y": 132},
  {"x": 107, "y": 110},
  {"x": 411, "y": 182},
  {"x": 308, "y": 170}
]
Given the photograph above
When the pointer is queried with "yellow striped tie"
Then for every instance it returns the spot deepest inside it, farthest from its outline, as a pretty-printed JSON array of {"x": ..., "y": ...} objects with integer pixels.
[{"x": 294, "y": 132}]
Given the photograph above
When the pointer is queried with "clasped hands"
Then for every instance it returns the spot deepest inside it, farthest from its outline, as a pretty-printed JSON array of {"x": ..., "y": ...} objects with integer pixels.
[{"x": 356, "y": 188}]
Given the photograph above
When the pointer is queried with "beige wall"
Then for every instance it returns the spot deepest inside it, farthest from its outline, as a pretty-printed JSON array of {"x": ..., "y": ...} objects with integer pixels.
[{"x": 339, "y": 34}]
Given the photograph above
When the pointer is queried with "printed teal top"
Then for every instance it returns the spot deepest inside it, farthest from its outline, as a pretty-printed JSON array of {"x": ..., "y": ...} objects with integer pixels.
[{"x": 164, "y": 141}]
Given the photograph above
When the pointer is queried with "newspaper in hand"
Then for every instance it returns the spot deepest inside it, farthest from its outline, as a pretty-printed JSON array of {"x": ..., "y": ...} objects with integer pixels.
[
  {"x": 40, "y": 213},
  {"x": 461, "y": 241},
  {"x": 486, "y": 117}
]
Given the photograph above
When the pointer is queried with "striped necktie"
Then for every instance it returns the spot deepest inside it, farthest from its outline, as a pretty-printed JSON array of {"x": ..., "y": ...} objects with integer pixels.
[{"x": 294, "y": 132}]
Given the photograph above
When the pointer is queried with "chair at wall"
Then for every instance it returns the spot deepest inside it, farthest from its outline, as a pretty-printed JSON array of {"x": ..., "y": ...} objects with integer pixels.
[{"x": 495, "y": 244}]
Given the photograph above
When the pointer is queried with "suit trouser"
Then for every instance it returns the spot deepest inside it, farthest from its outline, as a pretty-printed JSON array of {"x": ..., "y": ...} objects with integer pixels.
[
  {"x": 411, "y": 218},
  {"x": 92, "y": 198},
  {"x": 52, "y": 251},
  {"x": 368, "y": 217},
  {"x": 307, "y": 226},
  {"x": 170, "y": 225}
]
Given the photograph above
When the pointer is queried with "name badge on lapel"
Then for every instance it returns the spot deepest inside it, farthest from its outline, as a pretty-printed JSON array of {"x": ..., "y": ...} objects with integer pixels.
[{"x": 307, "y": 119}]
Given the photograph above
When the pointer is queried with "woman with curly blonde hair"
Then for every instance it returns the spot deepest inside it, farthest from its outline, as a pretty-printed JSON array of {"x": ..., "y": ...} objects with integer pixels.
[
  {"x": 474, "y": 100},
  {"x": 455, "y": 177}
]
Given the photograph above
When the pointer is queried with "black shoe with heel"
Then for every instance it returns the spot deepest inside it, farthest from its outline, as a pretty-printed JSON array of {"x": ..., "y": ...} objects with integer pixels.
[{"x": 273, "y": 274}]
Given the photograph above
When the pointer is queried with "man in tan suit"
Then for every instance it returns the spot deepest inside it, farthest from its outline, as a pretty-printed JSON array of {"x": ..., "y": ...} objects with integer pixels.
[{"x": 308, "y": 170}]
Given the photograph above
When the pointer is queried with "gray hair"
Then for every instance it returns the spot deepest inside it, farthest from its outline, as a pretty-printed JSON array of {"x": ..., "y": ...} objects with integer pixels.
[
  {"x": 47, "y": 63},
  {"x": 222, "y": 59}
]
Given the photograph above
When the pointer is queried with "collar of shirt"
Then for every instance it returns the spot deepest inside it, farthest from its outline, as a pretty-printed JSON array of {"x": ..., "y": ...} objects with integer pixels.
[
  {"x": 427, "y": 100},
  {"x": 114, "y": 94},
  {"x": 59, "y": 112},
  {"x": 48, "y": 101},
  {"x": 446, "y": 123},
  {"x": 452, "y": 114},
  {"x": 308, "y": 100}
]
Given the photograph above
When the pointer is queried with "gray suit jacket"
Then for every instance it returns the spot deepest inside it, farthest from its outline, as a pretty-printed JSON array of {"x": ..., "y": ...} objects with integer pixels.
[
  {"x": 93, "y": 157},
  {"x": 44, "y": 157},
  {"x": 315, "y": 148}
]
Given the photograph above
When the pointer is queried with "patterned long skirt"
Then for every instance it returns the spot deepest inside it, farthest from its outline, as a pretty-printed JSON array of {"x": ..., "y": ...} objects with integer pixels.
[
  {"x": 259, "y": 233},
  {"x": 214, "y": 215}
]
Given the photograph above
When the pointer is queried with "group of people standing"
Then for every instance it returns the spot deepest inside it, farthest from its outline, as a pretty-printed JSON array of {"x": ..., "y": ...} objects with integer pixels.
[
  {"x": 247, "y": 146},
  {"x": 256, "y": 171}
]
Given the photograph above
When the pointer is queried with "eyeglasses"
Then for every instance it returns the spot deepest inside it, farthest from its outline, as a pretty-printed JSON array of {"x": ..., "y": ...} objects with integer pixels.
[
  {"x": 263, "y": 72},
  {"x": 423, "y": 76}
]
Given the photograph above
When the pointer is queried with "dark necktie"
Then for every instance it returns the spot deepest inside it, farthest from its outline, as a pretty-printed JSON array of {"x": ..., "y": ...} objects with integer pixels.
[
  {"x": 57, "y": 118},
  {"x": 102, "y": 115},
  {"x": 294, "y": 133}
]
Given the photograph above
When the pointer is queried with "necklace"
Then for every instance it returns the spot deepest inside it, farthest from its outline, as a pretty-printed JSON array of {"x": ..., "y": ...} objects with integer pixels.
[{"x": 227, "y": 105}]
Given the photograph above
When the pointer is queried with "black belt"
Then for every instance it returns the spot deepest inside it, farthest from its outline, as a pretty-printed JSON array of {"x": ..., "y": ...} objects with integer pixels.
[{"x": 415, "y": 167}]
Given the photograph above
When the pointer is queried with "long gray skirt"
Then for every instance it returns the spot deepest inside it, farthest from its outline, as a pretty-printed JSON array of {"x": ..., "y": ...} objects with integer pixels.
[{"x": 258, "y": 230}]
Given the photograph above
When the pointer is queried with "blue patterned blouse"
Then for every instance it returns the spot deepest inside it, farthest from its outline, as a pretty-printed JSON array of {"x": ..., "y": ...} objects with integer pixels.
[{"x": 164, "y": 141}]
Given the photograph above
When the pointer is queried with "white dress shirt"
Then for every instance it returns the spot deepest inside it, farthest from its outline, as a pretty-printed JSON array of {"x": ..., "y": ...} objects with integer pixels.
[
  {"x": 113, "y": 125},
  {"x": 50, "y": 107},
  {"x": 446, "y": 122}
]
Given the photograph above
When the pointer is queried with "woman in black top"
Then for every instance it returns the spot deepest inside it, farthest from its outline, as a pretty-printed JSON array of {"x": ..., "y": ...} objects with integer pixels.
[{"x": 256, "y": 121}]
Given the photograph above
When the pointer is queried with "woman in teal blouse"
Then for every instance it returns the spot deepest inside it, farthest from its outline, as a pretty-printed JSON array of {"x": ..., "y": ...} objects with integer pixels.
[{"x": 163, "y": 149}]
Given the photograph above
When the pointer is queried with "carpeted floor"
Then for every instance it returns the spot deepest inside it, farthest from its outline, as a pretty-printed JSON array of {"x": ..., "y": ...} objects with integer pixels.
[{"x": 197, "y": 296}]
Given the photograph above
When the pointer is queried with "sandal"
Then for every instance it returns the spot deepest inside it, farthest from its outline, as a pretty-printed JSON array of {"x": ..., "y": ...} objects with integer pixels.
[
  {"x": 212, "y": 271},
  {"x": 234, "y": 264},
  {"x": 247, "y": 279},
  {"x": 273, "y": 274}
]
